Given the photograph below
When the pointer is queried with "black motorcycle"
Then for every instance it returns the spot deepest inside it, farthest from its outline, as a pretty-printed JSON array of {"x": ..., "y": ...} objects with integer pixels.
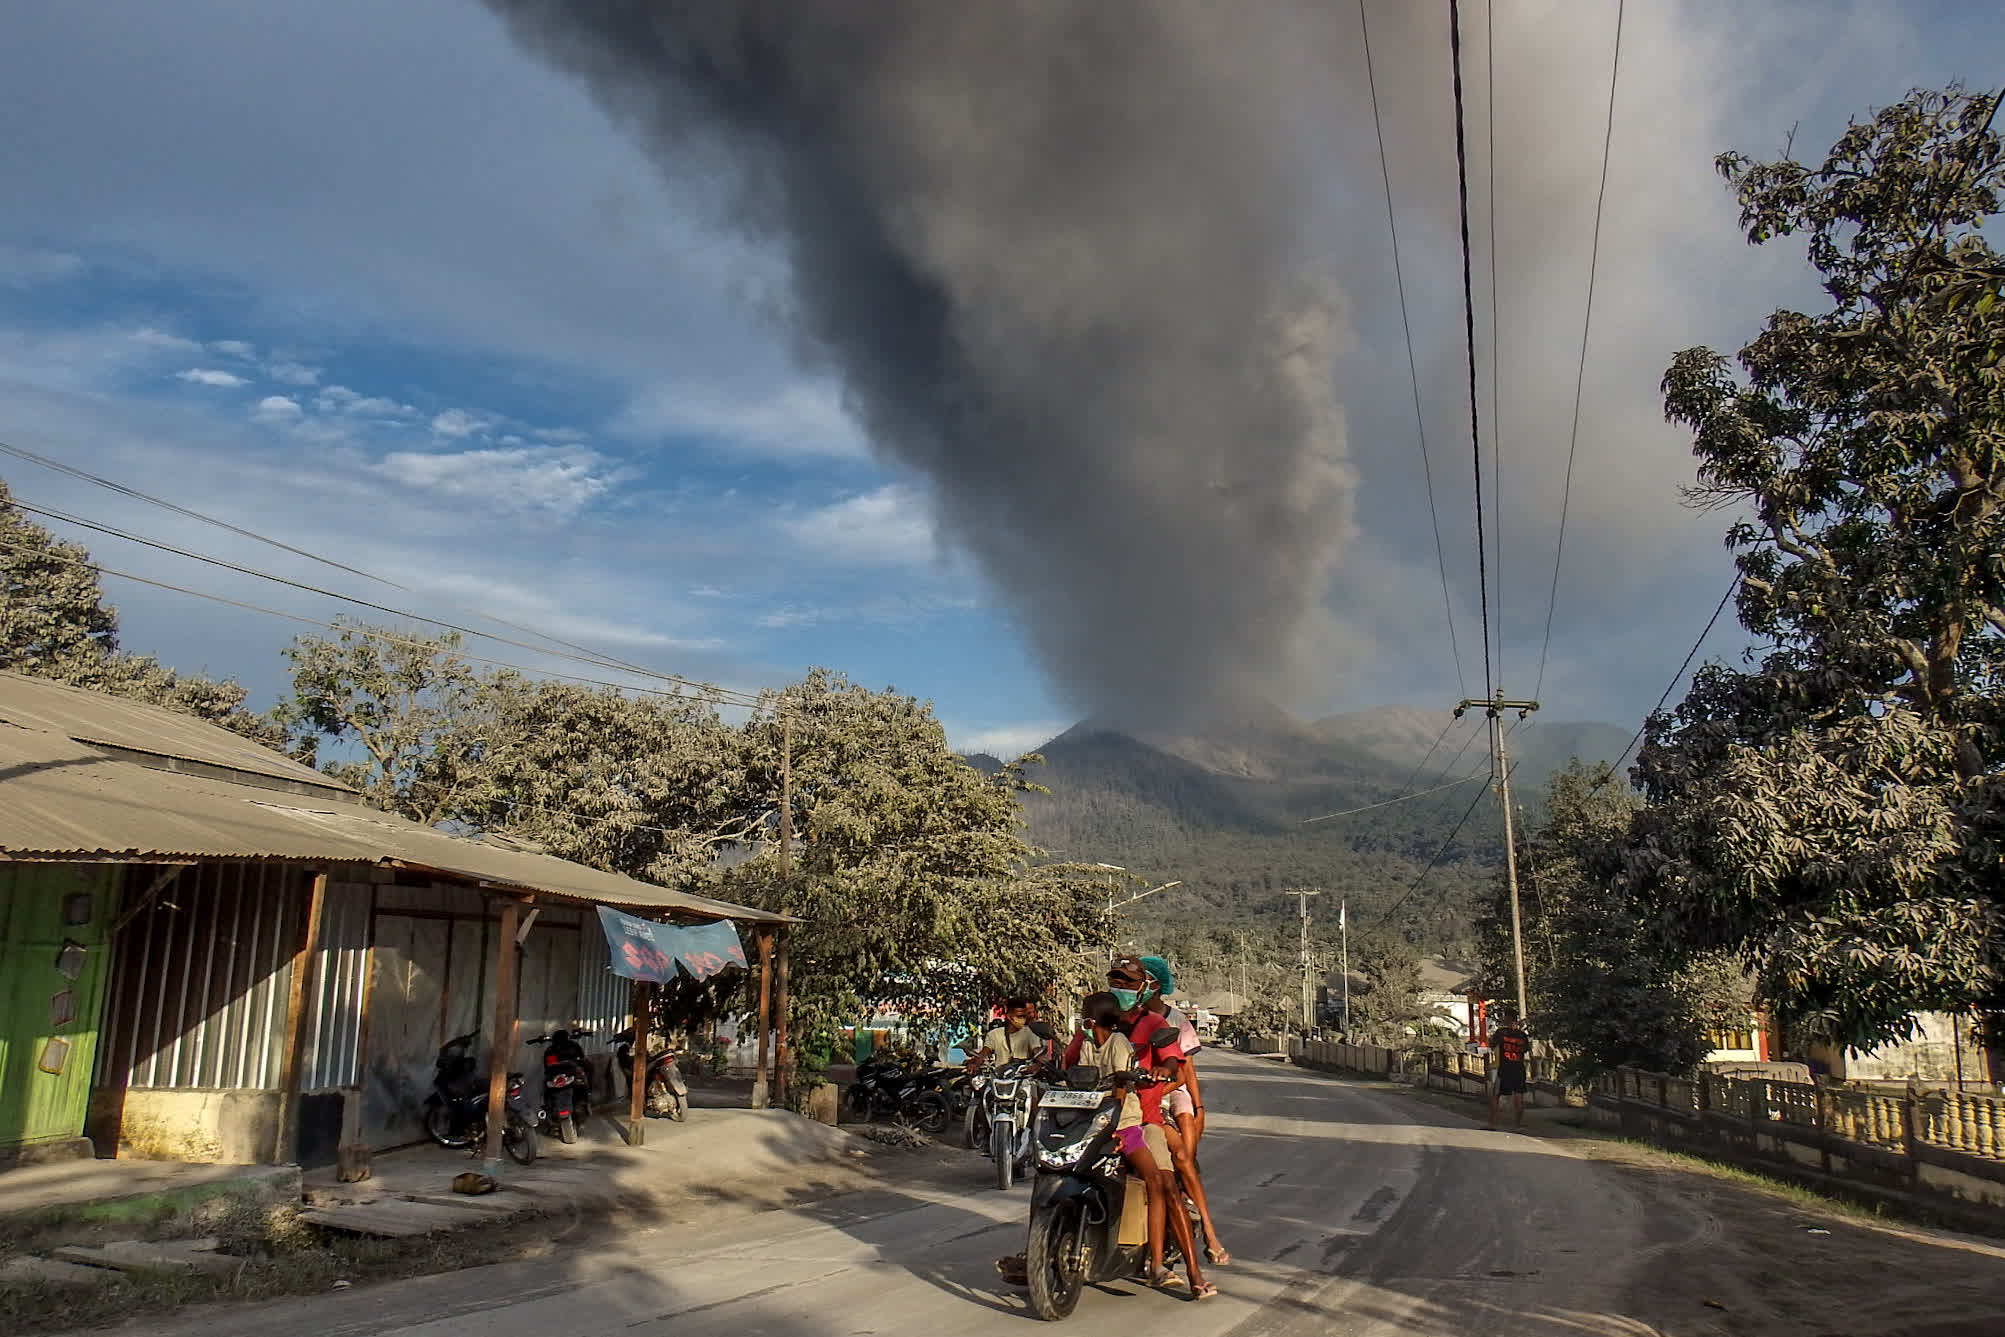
[
  {"x": 456, "y": 1112},
  {"x": 907, "y": 1090},
  {"x": 667, "y": 1094},
  {"x": 1080, "y": 1192},
  {"x": 567, "y": 1083}
]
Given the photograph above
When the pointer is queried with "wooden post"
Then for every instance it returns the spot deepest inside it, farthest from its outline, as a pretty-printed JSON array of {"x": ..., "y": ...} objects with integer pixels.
[
  {"x": 297, "y": 998},
  {"x": 642, "y": 996},
  {"x": 501, "y": 1039},
  {"x": 780, "y": 1055},
  {"x": 765, "y": 1019}
]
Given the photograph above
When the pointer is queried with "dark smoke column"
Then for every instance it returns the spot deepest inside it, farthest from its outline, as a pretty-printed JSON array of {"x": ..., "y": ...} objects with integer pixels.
[{"x": 1057, "y": 250}]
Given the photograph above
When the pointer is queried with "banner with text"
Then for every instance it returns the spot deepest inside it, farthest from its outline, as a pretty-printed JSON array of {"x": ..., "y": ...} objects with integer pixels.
[{"x": 644, "y": 950}]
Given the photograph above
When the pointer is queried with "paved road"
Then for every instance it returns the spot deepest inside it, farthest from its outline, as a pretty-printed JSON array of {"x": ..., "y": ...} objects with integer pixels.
[{"x": 1347, "y": 1209}]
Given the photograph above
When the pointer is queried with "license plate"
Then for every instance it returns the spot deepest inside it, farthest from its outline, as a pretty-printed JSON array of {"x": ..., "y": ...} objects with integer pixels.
[{"x": 1073, "y": 1100}]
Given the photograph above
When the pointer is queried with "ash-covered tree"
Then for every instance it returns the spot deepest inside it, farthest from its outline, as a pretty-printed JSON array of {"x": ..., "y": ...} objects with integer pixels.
[
  {"x": 1833, "y": 811},
  {"x": 410, "y": 706},
  {"x": 55, "y": 624},
  {"x": 911, "y": 872},
  {"x": 1605, "y": 986}
]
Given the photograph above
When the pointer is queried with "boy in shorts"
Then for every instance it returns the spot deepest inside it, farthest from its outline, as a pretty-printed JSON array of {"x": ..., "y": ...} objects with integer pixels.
[{"x": 1513, "y": 1049}]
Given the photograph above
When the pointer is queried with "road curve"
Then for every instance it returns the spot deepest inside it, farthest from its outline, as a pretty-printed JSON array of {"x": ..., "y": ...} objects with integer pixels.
[{"x": 1347, "y": 1208}]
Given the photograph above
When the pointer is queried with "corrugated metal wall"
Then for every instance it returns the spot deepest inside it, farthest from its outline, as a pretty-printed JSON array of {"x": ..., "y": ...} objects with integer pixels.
[
  {"x": 201, "y": 976},
  {"x": 334, "y": 1012},
  {"x": 605, "y": 1001}
]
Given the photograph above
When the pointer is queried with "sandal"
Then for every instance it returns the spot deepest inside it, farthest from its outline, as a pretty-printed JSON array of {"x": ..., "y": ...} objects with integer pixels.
[
  {"x": 1217, "y": 1257},
  {"x": 1166, "y": 1280},
  {"x": 1205, "y": 1291}
]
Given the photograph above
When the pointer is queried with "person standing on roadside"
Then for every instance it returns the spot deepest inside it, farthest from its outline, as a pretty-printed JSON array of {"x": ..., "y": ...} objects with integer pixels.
[{"x": 1513, "y": 1050}]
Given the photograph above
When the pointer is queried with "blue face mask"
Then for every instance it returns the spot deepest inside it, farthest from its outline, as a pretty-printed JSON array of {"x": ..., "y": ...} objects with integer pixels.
[{"x": 1127, "y": 998}]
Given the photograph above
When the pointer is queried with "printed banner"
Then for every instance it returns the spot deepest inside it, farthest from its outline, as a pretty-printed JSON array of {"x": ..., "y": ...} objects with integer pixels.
[{"x": 644, "y": 950}]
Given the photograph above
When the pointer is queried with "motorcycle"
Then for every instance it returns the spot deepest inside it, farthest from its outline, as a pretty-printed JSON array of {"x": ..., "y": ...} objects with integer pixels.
[
  {"x": 907, "y": 1090},
  {"x": 1008, "y": 1099},
  {"x": 455, "y": 1114},
  {"x": 1080, "y": 1194},
  {"x": 567, "y": 1083},
  {"x": 667, "y": 1094}
]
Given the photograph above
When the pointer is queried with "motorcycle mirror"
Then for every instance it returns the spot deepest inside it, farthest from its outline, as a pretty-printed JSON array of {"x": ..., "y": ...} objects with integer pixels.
[
  {"x": 1042, "y": 1030},
  {"x": 1163, "y": 1037}
]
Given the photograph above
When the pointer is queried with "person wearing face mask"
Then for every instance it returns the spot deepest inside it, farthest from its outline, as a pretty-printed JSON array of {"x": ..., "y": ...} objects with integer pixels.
[{"x": 1139, "y": 984}]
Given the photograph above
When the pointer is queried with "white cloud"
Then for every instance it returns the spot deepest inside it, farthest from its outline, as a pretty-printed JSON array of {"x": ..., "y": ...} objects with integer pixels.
[
  {"x": 340, "y": 399},
  {"x": 287, "y": 372},
  {"x": 456, "y": 424},
  {"x": 561, "y": 480},
  {"x": 1008, "y": 741},
  {"x": 802, "y": 419},
  {"x": 891, "y": 526},
  {"x": 161, "y": 340},
  {"x": 235, "y": 348},
  {"x": 550, "y": 613},
  {"x": 24, "y": 266},
  {"x": 277, "y": 411},
  {"x": 209, "y": 376}
]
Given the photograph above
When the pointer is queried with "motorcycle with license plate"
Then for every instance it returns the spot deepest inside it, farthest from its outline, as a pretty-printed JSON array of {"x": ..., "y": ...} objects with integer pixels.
[
  {"x": 455, "y": 1114},
  {"x": 567, "y": 1083},
  {"x": 1080, "y": 1192}
]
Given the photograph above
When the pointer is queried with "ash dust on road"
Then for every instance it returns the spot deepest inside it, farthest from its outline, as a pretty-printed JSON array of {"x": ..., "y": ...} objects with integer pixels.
[{"x": 1348, "y": 1208}]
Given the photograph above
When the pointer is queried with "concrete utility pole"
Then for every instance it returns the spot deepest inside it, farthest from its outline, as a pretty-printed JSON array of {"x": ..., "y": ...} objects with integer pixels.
[
  {"x": 1243, "y": 998},
  {"x": 1500, "y": 761},
  {"x": 1344, "y": 933},
  {"x": 1302, "y": 895}
]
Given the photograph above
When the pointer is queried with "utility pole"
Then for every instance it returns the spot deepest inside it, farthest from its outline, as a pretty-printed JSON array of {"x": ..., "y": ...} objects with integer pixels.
[
  {"x": 1302, "y": 895},
  {"x": 1344, "y": 933},
  {"x": 1500, "y": 760},
  {"x": 1244, "y": 1000}
]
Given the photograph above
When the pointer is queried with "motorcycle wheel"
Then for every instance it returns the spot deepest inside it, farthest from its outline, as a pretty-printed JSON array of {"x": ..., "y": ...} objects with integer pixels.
[
  {"x": 439, "y": 1125},
  {"x": 926, "y": 1113},
  {"x": 860, "y": 1103},
  {"x": 1052, "y": 1261},
  {"x": 1002, "y": 1146},
  {"x": 567, "y": 1129},
  {"x": 518, "y": 1139},
  {"x": 974, "y": 1127},
  {"x": 663, "y": 1101}
]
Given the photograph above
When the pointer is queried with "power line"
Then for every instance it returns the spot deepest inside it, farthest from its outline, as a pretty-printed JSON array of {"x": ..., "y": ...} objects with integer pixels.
[
  {"x": 1412, "y": 363},
  {"x": 372, "y": 633},
  {"x": 1407, "y": 895},
  {"x": 1386, "y": 803},
  {"x": 1469, "y": 332},
  {"x": 147, "y": 497},
  {"x": 1496, "y": 348},
  {"x": 1586, "y": 324},
  {"x": 586, "y": 657},
  {"x": 1668, "y": 688}
]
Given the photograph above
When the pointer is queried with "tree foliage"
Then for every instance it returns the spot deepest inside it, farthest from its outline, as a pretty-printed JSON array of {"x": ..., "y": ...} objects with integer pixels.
[
  {"x": 1605, "y": 987},
  {"x": 55, "y": 623},
  {"x": 1833, "y": 812}
]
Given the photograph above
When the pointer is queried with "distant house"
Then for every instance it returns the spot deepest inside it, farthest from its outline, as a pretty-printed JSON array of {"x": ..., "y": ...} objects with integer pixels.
[{"x": 211, "y": 952}]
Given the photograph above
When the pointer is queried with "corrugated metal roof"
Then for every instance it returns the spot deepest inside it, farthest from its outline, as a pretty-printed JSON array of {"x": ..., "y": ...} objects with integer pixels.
[
  {"x": 94, "y": 717},
  {"x": 61, "y": 799}
]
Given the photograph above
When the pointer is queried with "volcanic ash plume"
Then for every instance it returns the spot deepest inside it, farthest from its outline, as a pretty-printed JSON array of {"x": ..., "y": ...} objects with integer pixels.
[{"x": 1058, "y": 252}]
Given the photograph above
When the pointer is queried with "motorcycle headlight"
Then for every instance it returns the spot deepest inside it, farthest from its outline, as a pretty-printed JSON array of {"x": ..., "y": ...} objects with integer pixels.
[{"x": 1063, "y": 1147}]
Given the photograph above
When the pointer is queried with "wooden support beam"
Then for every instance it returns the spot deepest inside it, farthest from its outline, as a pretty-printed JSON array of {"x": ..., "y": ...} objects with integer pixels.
[
  {"x": 501, "y": 1039},
  {"x": 780, "y": 1056},
  {"x": 298, "y": 997},
  {"x": 765, "y": 1012},
  {"x": 636, "y": 1131}
]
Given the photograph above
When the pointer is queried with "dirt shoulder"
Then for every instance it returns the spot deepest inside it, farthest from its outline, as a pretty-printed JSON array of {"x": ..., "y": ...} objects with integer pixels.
[{"x": 1735, "y": 1254}]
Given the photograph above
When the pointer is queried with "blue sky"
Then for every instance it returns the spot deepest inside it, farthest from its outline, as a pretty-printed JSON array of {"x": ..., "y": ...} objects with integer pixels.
[{"x": 365, "y": 277}]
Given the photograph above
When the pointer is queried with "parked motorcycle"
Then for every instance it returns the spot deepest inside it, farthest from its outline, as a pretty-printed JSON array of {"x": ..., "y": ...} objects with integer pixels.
[
  {"x": 903, "y": 1087},
  {"x": 667, "y": 1095},
  {"x": 1080, "y": 1192},
  {"x": 455, "y": 1113},
  {"x": 567, "y": 1083}
]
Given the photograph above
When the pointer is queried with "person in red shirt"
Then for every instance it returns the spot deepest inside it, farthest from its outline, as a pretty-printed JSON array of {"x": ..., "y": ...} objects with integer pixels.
[{"x": 1513, "y": 1049}]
